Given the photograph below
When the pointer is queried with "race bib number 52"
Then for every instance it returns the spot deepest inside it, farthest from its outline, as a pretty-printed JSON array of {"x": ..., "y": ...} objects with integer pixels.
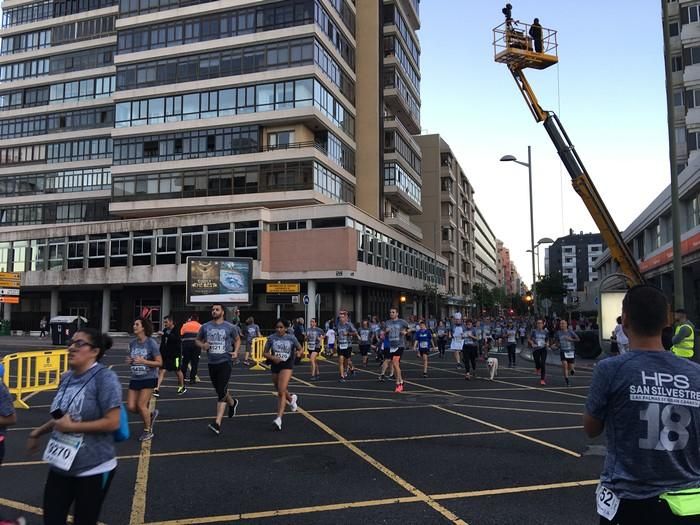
[{"x": 606, "y": 502}]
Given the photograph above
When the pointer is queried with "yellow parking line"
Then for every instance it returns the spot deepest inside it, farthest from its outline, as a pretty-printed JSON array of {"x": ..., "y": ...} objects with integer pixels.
[
  {"x": 512, "y": 432},
  {"x": 515, "y": 490},
  {"x": 18, "y": 505},
  {"x": 138, "y": 505}
]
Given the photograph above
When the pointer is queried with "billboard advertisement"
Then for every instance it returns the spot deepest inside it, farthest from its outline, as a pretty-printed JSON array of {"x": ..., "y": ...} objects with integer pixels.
[{"x": 227, "y": 280}]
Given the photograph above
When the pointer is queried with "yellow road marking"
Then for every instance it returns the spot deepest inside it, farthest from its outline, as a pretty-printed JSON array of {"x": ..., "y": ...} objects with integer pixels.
[
  {"x": 18, "y": 505},
  {"x": 386, "y": 471},
  {"x": 515, "y": 490},
  {"x": 513, "y": 432},
  {"x": 138, "y": 505}
]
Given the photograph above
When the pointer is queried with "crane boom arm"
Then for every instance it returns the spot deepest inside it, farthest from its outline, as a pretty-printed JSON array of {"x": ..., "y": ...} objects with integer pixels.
[{"x": 581, "y": 181}]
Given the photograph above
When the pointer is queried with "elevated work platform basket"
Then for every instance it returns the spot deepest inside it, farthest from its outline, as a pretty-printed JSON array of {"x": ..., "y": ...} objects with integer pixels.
[{"x": 513, "y": 46}]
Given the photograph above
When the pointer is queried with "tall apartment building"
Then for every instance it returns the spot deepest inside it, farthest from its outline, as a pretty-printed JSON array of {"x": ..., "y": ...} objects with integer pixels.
[
  {"x": 505, "y": 276},
  {"x": 485, "y": 255},
  {"x": 574, "y": 257},
  {"x": 138, "y": 133},
  {"x": 448, "y": 218}
]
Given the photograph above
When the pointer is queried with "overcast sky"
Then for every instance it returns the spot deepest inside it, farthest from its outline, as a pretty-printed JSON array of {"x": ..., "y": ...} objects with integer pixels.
[{"x": 608, "y": 89}]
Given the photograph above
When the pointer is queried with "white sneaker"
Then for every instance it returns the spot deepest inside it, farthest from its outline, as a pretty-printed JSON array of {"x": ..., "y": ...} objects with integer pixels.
[
  {"x": 278, "y": 423},
  {"x": 293, "y": 403}
]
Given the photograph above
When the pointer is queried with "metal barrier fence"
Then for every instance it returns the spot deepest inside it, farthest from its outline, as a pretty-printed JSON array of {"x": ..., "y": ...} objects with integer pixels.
[{"x": 30, "y": 372}]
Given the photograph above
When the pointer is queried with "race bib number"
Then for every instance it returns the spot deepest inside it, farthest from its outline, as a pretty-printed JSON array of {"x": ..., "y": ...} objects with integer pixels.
[
  {"x": 61, "y": 450},
  {"x": 424, "y": 344},
  {"x": 138, "y": 370},
  {"x": 217, "y": 347},
  {"x": 569, "y": 354},
  {"x": 539, "y": 342},
  {"x": 393, "y": 348},
  {"x": 344, "y": 345},
  {"x": 606, "y": 502}
]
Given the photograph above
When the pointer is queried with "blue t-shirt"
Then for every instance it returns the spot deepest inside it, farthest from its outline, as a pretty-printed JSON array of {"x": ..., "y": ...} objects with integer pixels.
[
  {"x": 6, "y": 406},
  {"x": 282, "y": 346},
  {"x": 424, "y": 338},
  {"x": 149, "y": 351},
  {"x": 220, "y": 338},
  {"x": 650, "y": 404},
  {"x": 539, "y": 337},
  {"x": 564, "y": 344},
  {"x": 470, "y": 337}
]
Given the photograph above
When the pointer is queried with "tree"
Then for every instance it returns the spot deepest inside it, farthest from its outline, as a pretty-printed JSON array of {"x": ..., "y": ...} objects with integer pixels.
[
  {"x": 552, "y": 287},
  {"x": 499, "y": 296},
  {"x": 482, "y": 296}
]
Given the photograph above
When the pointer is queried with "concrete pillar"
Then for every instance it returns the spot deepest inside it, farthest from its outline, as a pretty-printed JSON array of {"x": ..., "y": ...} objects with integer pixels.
[
  {"x": 358, "y": 304},
  {"x": 106, "y": 308},
  {"x": 337, "y": 299},
  {"x": 415, "y": 307},
  {"x": 55, "y": 307},
  {"x": 7, "y": 312},
  {"x": 165, "y": 302},
  {"x": 311, "y": 309}
]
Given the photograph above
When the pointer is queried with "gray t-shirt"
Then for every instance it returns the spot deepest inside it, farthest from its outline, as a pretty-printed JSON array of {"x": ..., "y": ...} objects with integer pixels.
[
  {"x": 282, "y": 346},
  {"x": 564, "y": 344},
  {"x": 365, "y": 335},
  {"x": 394, "y": 328},
  {"x": 220, "y": 338},
  {"x": 251, "y": 332},
  {"x": 101, "y": 393},
  {"x": 539, "y": 337},
  {"x": 650, "y": 404},
  {"x": 149, "y": 351},
  {"x": 6, "y": 406},
  {"x": 312, "y": 337},
  {"x": 345, "y": 331}
]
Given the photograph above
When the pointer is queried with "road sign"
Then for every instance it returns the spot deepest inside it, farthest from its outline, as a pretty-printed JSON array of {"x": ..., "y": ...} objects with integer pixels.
[
  {"x": 9, "y": 299},
  {"x": 287, "y": 288},
  {"x": 9, "y": 291},
  {"x": 306, "y": 299},
  {"x": 546, "y": 302},
  {"x": 10, "y": 276}
]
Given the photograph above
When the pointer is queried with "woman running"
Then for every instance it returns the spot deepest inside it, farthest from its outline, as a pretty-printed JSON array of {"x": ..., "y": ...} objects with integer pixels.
[
  {"x": 457, "y": 336},
  {"x": 314, "y": 339},
  {"x": 511, "y": 343},
  {"x": 80, "y": 453},
  {"x": 539, "y": 341},
  {"x": 423, "y": 344},
  {"x": 366, "y": 336},
  {"x": 281, "y": 348},
  {"x": 441, "y": 338},
  {"x": 566, "y": 338},
  {"x": 470, "y": 350},
  {"x": 145, "y": 360}
]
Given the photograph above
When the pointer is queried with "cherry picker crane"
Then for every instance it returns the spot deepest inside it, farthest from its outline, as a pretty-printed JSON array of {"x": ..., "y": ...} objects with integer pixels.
[{"x": 520, "y": 46}]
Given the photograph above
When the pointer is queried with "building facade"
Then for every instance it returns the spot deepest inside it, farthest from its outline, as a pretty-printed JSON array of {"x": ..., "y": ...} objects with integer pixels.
[
  {"x": 574, "y": 257},
  {"x": 505, "y": 277},
  {"x": 485, "y": 256},
  {"x": 138, "y": 133},
  {"x": 448, "y": 218}
]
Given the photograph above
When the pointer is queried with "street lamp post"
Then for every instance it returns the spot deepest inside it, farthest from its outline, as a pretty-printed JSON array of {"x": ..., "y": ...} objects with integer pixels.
[{"x": 528, "y": 164}]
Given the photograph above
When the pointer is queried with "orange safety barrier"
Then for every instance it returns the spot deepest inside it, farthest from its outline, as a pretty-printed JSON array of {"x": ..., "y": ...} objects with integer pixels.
[{"x": 31, "y": 372}]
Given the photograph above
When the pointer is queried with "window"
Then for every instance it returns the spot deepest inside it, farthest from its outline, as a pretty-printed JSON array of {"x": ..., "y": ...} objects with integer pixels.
[
  {"x": 142, "y": 243},
  {"x": 97, "y": 249},
  {"x": 218, "y": 239},
  {"x": 57, "y": 253},
  {"x": 676, "y": 63},
  {"x": 691, "y": 140},
  {"x": 678, "y": 98},
  {"x": 690, "y": 14},
  {"x": 191, "y": 240},
  {"x": 691, "y": 55},
  {"x": 118, "y": 249},
  {"x": 680, "y": 135},
  {"x": 166, "y": 246},
  {"x": 76, "y": 252},
  {"x": 280, "y": 139},
  {"x": 674, "y": 29}
]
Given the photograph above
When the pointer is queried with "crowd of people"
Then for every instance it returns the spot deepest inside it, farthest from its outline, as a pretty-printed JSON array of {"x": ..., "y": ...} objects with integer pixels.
[{"x": 86, "y": 412}]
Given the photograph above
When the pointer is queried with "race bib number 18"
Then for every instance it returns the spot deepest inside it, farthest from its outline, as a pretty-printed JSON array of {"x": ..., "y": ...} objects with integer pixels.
[{"x": 607, "y": 502}]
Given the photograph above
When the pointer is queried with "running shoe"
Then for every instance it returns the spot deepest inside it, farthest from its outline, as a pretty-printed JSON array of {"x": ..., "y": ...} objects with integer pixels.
[
  {"x": 246, "y": 362},
  {"x": 233, "y": 408},
  {"x": 156, "y": 392},
  {"x": 293, "y": 403},
  {"x": 468, "y": 377},
  {"x": 341, "y": 380},
  {"x": 196, "y": 379},
  {"x": 382, "y": 378},
  {"x": 425, "y": 374},
  {"x": 537, "y": 371},
  {"x": 181, "y": 390},
  {"x": 313, "y": 378},
  {"x": 397, "y": 389},
  {"x": 351, "y": 372},
  {"x": 572, "y": 372},
  {"x": 278, "y": 423},
  {"x": 400, "y": 387},
  {"x": 566, "y": 379},
  {"x": 215, "y": 428},
  {"x": 154, "y": 416},
  {"x": 18, "y": 521},
  {"x": 542, "y": 382},
  {"x": 146, "y": 435}
]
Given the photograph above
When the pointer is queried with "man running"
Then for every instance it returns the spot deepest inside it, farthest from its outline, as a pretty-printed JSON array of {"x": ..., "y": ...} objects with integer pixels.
[
  {"x": 423, "y": 344},
  {"x": 252, "y": 331},
  {"x": 366, "y": 336},
  {"x": 565, "y": 339},
  {"x": 646, "y": 401},
  {"x": 222, "y": 341},
  {"x": 171, "y": 351},
  {"x": 314, "y": 339},
  {"x": 396, "y": 330},
  {"x": 441, "y": 338},
  {"x": 190, "y": 350},
  {"x": 539, "y": 341},
  {"x": 470, "y": 350},
  {"x": 345, "y": 331}
]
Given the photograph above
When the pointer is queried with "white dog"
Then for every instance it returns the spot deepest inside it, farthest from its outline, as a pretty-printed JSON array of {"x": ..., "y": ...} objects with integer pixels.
[{"x": 492, "y": 363}]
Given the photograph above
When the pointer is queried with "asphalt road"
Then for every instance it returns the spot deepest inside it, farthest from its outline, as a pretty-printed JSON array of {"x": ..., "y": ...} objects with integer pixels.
[{"x": 485, "y": 452}]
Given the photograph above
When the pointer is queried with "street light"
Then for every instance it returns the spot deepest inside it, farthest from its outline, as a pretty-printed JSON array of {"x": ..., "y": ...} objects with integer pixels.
[
  {"x": 543, "y": 240},
  {"x": 528, "y": 164}
]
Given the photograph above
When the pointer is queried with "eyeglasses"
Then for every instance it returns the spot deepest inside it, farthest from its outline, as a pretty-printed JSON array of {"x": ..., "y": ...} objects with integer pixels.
[{"x": 79, "y": 343}]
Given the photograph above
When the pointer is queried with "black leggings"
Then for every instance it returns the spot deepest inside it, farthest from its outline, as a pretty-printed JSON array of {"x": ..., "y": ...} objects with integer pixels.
[
  {"x": 511, "y": 353},
  {"x": 651, "y": 511},
  {"x": 540, "y": 357},
  {"x": 190, "y": 356},
  {"x": 469, "y": 353},
  {"x": 87, "y": 493},
  {"x": 220, "y": 374},
  {"x": 442, "y": 344}
]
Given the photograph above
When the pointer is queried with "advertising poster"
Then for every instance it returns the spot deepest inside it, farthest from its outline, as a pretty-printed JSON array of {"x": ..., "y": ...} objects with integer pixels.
[{"x": 226, "y": 280}]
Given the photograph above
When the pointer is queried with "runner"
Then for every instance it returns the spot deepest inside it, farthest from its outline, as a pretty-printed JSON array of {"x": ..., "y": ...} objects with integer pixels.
[
  {"x": 345, "y": 331},
  {"x": 469, "y": 351},
  {"x": 190, "y": 350},
  {"x": 145, "y": 359},
  {"x": 565, "y": 339},
  {"x": 646, "y": 402},
  {"x": 457, "y": 336},
  {"x": 423, "y": 344},
  {"x": 251, "y": 332},
  {"x": 511, "y": 343},
  {"x": 314, "y": 339},
  {"x": 441, "y": 338},
  {"x": 219, "y": 337},
  {"x": 377, "y": 341},
  {"x": 620, "y": 337},
  {"x": 85, "y": 412},
  {"x": 171, "y": 353},
  {"x": 479, "y": 333},
  {"x": 521, "y": 333},
  {"x": 383, "y": 352},
  {"x": 396, "y": 330},
  {"x": 366, "y": 337},
  {"x": 539, "y": 341},
  {"x": 330, "y": 340},
  {"x": 7, "y": 412},
  {"x": 280, "y": 350}
]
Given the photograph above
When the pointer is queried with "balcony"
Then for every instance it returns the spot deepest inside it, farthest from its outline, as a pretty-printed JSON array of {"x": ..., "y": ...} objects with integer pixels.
[
  {"x": 400, "y": 198},
  {"x": 402, "y": 222},
  {"x": 400, "y": 100},
  {"x": 391, "y": 122},
  {"x": 691, "y": 74},
  {"x": 412, "y": 10}
]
